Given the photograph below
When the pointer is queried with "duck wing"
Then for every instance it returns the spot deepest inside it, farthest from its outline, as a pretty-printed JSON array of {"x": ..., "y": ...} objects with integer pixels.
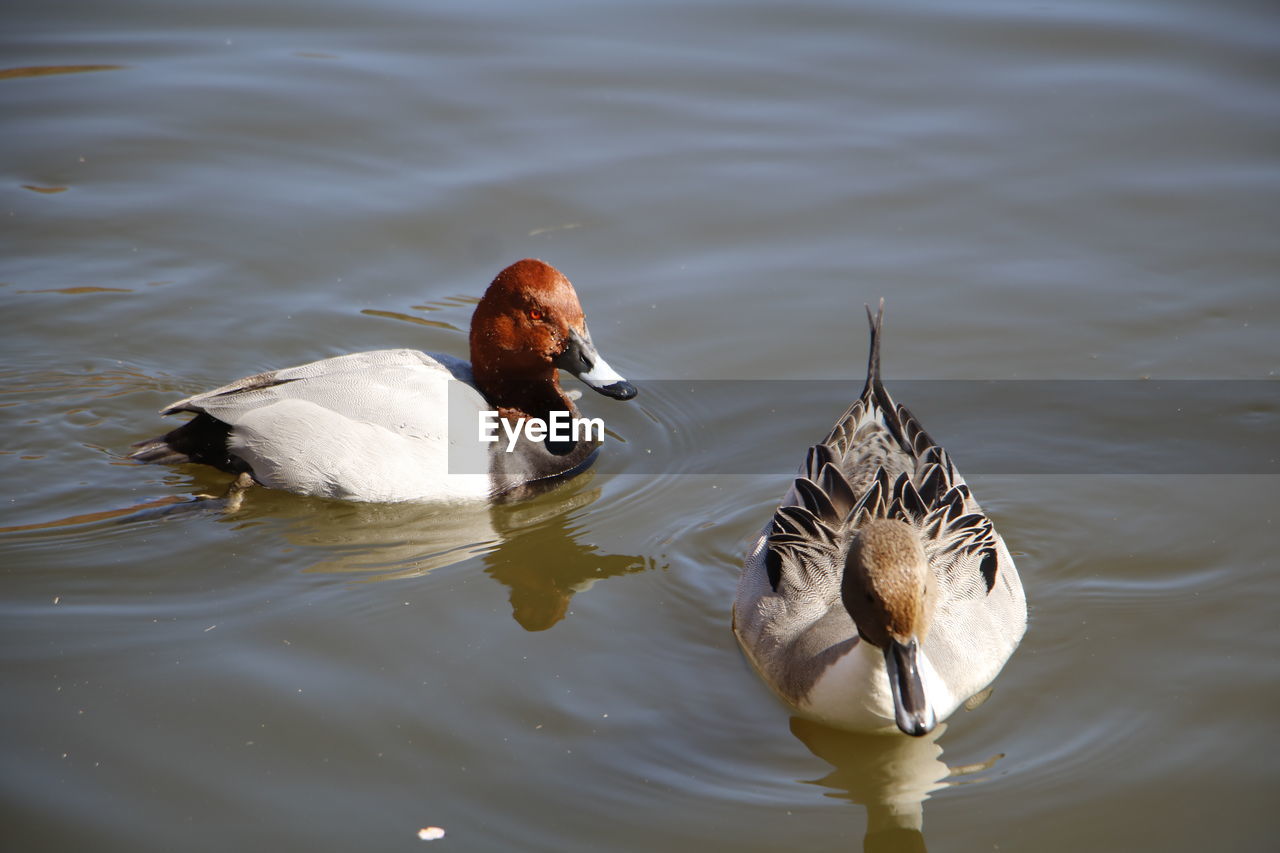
[{"x": 363, "y": 386}]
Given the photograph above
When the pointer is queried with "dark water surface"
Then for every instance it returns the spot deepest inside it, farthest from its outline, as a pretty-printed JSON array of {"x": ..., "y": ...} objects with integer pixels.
[{"x": 194, "y": 192}]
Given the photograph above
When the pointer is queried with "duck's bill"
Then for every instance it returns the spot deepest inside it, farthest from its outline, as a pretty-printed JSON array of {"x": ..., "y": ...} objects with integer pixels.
[
  {"x": 581, "y": 359},
  {"x": 911, "y": 707}
]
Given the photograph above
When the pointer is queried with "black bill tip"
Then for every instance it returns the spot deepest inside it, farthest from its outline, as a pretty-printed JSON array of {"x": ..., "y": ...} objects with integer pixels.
[
  {"x": 912, "y": 710},
  {"x": 623, "y": 390}
]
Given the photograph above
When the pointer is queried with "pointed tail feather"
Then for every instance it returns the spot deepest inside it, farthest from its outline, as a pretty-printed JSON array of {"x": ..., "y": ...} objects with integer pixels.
[
  {"x": 874, "y": 390},
  {"x": 873, "y": 360}
]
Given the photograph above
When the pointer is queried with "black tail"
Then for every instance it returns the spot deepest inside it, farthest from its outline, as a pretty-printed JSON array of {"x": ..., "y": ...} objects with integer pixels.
[
  {"x": 202, "y": 439},
  {"x": 156, "y": 451}
]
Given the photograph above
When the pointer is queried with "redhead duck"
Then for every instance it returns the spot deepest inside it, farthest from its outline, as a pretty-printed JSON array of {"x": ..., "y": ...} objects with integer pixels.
[
  {"x": 403, "y": 425},
  {"x": 880, "y": 593}
]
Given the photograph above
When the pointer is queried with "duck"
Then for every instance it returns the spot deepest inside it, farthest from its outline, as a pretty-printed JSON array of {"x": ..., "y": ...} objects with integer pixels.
[
  {"x": 398, "y": 425},
  {"x": 880, "y": 593}
]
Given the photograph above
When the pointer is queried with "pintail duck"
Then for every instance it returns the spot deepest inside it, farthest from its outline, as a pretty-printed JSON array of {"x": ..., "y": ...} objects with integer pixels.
[
  {"x": 880, "y": 592},
  {"x": 403, "y": 425}
]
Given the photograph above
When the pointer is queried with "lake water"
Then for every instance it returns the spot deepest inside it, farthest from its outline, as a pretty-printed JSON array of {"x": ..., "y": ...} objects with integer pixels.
[{"x": 1042, "y": 192}]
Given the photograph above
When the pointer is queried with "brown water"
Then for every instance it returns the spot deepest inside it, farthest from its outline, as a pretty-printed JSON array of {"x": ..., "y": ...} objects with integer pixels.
[{"x": 1042, "y": 192}]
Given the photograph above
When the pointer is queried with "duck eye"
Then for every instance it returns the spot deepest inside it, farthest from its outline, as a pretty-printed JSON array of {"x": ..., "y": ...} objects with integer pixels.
[{"x": 535, "y": 313}]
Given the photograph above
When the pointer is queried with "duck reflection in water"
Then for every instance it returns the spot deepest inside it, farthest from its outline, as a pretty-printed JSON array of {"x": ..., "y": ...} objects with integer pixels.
[
  {"x": 531, "y": 546},
  {"x": 891, "y": 776},
  {"x": 544, "y": 565}
]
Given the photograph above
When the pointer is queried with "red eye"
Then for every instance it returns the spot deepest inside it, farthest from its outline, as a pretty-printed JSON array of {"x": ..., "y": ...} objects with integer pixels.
[{"x": 535, "y": 314}]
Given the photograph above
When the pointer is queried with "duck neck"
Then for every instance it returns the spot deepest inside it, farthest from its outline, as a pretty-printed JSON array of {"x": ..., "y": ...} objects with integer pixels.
[
  {"x": 538, "y": 464},
  {"x": 526, "y": 398}
]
